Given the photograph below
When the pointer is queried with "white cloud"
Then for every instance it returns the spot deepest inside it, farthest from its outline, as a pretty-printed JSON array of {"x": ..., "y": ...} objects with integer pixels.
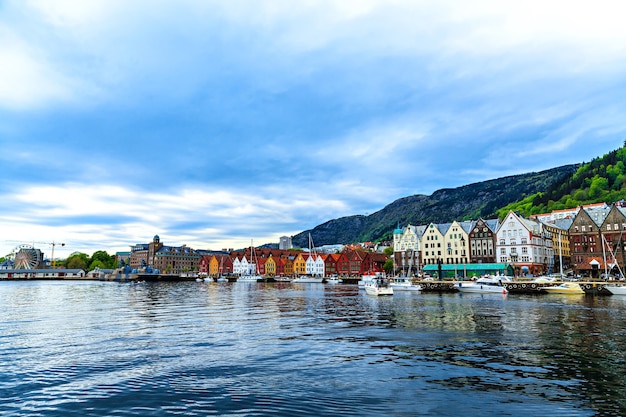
[{"x": 91, "y": 217}]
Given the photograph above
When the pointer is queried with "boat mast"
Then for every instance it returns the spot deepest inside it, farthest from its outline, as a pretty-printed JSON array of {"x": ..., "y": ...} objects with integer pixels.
[
  {"x": 604, "y": 254},
  {"x": 561, "y": 255}
]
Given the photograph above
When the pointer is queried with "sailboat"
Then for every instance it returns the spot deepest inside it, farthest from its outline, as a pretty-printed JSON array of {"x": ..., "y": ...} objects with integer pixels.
[
  {"x": 309, "y": 279},
  {"x": 612, "y": 288},
  {"x": 252, "y": 274}
]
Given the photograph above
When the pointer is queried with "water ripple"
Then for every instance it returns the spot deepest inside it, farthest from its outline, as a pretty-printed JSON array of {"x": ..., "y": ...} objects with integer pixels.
[{"x": 197, "y": 349}]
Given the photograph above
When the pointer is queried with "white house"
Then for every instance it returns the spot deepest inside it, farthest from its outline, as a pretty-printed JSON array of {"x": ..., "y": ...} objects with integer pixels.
[{"x": 525, "y": 244}]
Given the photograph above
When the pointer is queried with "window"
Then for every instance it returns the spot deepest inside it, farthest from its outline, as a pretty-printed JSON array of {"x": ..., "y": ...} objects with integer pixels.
[{"x": 608, "y": 227}]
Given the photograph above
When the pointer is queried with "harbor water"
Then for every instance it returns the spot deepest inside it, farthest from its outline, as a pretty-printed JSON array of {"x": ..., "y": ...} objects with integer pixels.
[{"x": 89, "y": 348}]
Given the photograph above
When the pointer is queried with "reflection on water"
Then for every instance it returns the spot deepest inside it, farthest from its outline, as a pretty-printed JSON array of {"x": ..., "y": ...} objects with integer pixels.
[{"x": 92, "y": 348}]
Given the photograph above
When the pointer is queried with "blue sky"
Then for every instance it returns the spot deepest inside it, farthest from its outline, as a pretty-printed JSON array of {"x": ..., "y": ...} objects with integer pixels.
[{"x": 212, "y": 123}]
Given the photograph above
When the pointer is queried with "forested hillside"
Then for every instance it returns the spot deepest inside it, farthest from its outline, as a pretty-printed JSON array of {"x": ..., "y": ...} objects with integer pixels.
[{"x": 601, "y": 180}]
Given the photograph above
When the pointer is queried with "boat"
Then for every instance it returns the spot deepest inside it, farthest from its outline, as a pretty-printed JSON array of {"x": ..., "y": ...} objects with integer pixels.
[
  {"x": 309, "y": 279},
  {"x": 486, "y": 285},
  {"x": 368, "y": 278},
  {"x": 253, "y": 274},
  {"x": 378, "y": 287},
  {"x": 404, "y": 284},
  {"x": 334, "y": 280},
  {"x": 565, "y": 288},
  {"x": 616, "y": 290}
]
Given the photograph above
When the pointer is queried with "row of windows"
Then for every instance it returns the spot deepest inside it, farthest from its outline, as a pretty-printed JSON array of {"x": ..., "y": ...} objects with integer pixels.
[{"x": 474, "y": 252}]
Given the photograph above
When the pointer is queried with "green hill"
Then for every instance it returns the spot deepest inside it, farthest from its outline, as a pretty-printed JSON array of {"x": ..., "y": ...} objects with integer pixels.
[{"x": 601, "y": 180}]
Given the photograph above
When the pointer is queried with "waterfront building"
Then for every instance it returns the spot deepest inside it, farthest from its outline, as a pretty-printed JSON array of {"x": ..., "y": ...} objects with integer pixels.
[
  {"x": 166, "y": 259},
  {"x": 456, "y": 237},
  {"x": 406, "y": 250},
  {"x": 432, "y": 244},
  {"x": 586, "y": 241},
  {"x": 482, "y": 241},
  {"x": 613, "y": 233},
  {"x": 350, "y": 263},
  {"x": 215, "y": 265},
  {"x": 314, "y": 264},
  {"x": 525, "y": 244},
  {"x": 330, "y": 264},
  {"x": 299, "y": 264},
  {"x": 55, "y": 273},
  {"x": 560, "y": 242}
]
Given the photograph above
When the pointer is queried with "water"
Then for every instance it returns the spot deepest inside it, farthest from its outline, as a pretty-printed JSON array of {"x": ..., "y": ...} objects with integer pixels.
[{"x": 196, "y": 349}]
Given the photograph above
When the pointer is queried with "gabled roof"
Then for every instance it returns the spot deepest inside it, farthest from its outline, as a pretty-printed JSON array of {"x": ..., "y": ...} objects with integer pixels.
[
  {"x": 598, "y": 213},
  {"x": 419, "y": 231},
  {"x": 443, "y": 227},
  {"x": 468, "y": 225},
  {"x": 493, "y": 224}
]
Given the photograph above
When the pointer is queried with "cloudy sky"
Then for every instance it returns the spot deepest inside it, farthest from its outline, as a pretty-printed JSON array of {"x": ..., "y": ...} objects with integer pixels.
[{"x": 212, "y": 123}]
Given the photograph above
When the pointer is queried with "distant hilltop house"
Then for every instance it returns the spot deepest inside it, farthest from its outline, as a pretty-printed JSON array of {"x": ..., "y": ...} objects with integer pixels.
[{"x": 587, "y": 240}]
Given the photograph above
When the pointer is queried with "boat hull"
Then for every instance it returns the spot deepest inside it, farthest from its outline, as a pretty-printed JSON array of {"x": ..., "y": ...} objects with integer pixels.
[
  {"x": 569, "y": 288},
  {"x": 482, "y": 288},
  {"x": 377, "y": 291},
  {"x": 308, "y": 280},
  {"x": 615, "y": 290},
  {"x": 405, "y": 287}
]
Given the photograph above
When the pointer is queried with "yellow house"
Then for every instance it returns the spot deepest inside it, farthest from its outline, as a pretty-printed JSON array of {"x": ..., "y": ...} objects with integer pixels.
[
  {"x": 299, "y": 265},
  {"x": 270, "y": 266}
]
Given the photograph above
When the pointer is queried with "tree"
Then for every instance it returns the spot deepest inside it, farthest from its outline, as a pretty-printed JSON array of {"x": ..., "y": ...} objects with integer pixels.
[
  {"x": 103, "y": 259},
  {"x": 388, "y": 251},
  {"x": 77, "y": 261},
  {"x": 388, "y": 266}
]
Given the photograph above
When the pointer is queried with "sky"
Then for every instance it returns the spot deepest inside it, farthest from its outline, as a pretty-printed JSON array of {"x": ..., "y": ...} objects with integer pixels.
[{"x": 220, "y": 123}]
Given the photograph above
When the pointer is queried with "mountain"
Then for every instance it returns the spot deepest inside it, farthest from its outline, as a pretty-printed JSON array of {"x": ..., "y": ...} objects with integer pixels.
[{"x": 473, "y": 201}]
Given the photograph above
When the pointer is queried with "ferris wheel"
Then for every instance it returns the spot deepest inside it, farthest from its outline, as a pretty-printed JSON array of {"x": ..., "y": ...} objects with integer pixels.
[{"x": 25, "y": 257}]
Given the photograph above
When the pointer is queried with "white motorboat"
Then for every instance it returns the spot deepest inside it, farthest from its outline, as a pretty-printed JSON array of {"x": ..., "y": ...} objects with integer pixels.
[
  {"x": 616, "y": 290},
  {"x": 334, "y": 280},
  {"x": 368, "y": 279},
  {"x": 378, "y": 287},
  {"x": 404, "y": 284},
  {"x": 306, "y": 279},
  {"x": 486, "y": 285}
]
